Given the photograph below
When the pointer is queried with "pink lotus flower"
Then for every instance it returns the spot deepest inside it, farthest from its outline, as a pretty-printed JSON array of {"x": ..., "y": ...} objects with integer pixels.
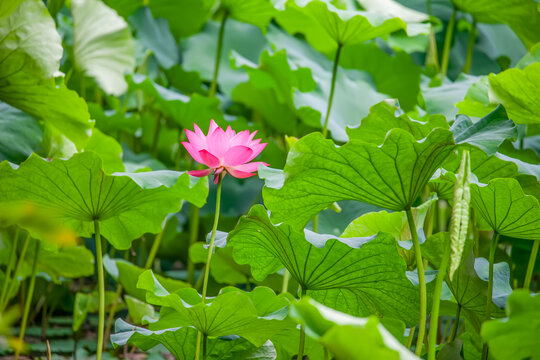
[{"x": 224, "y": 151}]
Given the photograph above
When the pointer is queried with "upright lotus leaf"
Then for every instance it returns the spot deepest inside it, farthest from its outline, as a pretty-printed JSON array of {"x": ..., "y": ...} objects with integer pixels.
[
  {"x": 386, "y": 116},
  {"x": 181, "y": 342},
  {"x": 346, "y": 336},
  {"x": 255, "y": 12},
  {"x": 78, "y": 191},
  {"x": 358, "y": 275},
  {"x": 256, "y": 316},
  {"x": 156, "y": 36},
  {"x": 476, "y": 102},
  {"x": 326, "y": 28},
  {"x": 185, "y": 110},
  {"x": 459, "y": 223},
  {"x": 522, "y": 16},
  {"x": 391, "y": 175},
  {"x": 517, "y": 336},
  {"x": 102, "y": 47},
  {"x": 271, "y": 87},
  {"x": 487, "y": 133},
  {"x": 186, "y": 17},
  {"x": 514, "y": 88},
  {"x": 30, "y": 53},
  {"x": 507, "y": 209},
  {"x": 20, "y": 136}
]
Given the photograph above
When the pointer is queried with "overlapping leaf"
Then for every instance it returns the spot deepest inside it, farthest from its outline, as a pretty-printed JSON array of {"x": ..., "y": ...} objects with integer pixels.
[
  {"x": 390, "y": 176},
  {"x": 255, "y": 12},
  {"x": 79, "y": 192},
  {"x": 103, "y": 47},
  {"x": 358, "y": 275},
  {"x": 507, "y": 209},
  {"x": 30, "y": 53}
]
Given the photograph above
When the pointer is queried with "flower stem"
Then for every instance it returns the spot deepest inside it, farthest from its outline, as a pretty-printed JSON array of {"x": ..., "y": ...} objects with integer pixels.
[
  {"x": 204, "y": 346},
  {"x": 455, "y": 326},
  {"x": 13, "y": 281},
  {"x": 434, "y": 321},
  {"x": 213, "y": 85},
  {"x": 448, "y": 43},
  {"x": 302, "y": 334},
  {"x": 421, "y": 281},
  {"x": 212, "y": 238},
  {"x": 193, "y": 237},
  {"x": 530, "y": 266},
  {"x": 101, "y": 289},
  {"x": 9, "y": 269},
  {"x": 28, "y": 302},
  {"x": 493, "y": 247},
  {"x": 470, "y": 48},
  {"x": 332, "y": 88}
]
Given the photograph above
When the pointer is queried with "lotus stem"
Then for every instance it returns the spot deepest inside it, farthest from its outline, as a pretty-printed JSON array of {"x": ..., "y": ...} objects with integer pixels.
[
  {"x": 455, "y": 326},
  {"x": 28, "y": 301},
  {"x": 493, "y": 247},
  {"x": 112, "y": 311},
  {"x": 213, "y": 85},
  {"x": 470, "y": 48},
  {"x": 13, "y": 281},
  {"x": 434, "y": 321},
  {"x": 154, "y": 249},
  {"x": 448, "y": 43},
  {"x": 101, "y": 290},
  {"x": 285, "y": 284},
  {"x": 332, "y": 88},
  {"x": 411, "y": 336},
  {"x": 193, "y": 237},
  {"x": 421, "y": 281},
  {"x": 9, "y": 269},
  {"x": 530, "y": 266},
  {"x": 205, "y": 341},
  {"x": 302, "y": 334}
]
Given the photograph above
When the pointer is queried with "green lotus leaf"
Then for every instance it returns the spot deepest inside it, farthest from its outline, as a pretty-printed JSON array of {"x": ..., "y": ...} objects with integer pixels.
[
  {"x": 514, "y": 88},
  {"x": 357, "y": 275},
  {"x": 255, "y": 12},
  {"x": 517, "y": 336},
  {"x": 20, "y": 136},
  {"x": 391, "y": 176},
  {"x": 138, "y": 310},
  {"x": 346, "y": 336},
  {"x": 103, "y": 48},
  {"x": 507, "y": 209},
  {"x": 30, "y": 54},
  {"x": 326, "y": 27},
  {"x": 78, "y": 191}
]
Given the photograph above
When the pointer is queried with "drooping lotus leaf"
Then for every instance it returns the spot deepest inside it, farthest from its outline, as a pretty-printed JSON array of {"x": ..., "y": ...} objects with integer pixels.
[
  {"x": 78, "y": 191},
  {"x": 386, "y": 116},
  {"x": 256, "y": 316},
  {"x": 517, "y": 336},
  {"x": 326, "y": 27},
  {"x": 507, "y": 209},
  {"x": 181, "y": 342},
  {"x": 346, "y": 336},
  {"x": 358, "y": 275},
  {"x": 521, "y": 15},
  {"x": 30, "y": 54},
  {"x": 255, "y": 12},
  {"x": 391, "y": 175},
  {"x": 102, "y": 47},
  {"x": 516, "y": 89},
  {"x": 20, "y": 136}
]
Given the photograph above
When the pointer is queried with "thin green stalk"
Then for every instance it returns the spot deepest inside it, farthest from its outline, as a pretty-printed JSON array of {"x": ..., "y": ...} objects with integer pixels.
[
  {"x": 421, "y": 281},
  {"x": 448, "y": 43},
  {"x": 302, "y": 334},
  {"x": 332, "y": 88},
  {"x": 492, "y": 248},
  {"x": 193, "y": 237},
  {"x": 110, "y": 317},
  {"x": 205, "y": 341},
  {"x": 411, "y": 336},
  {"x": 213, "y": 85},
  {"x": 470, "y": 48},
  {"x": 13, "y": 281},
  {"x": 212, "y": 238},
  {"x": 155, "y": 140},
  {"x": 326, "y": 357},
  {"x": 154, "y": 249},
  {"x": 28, "y": 302},
  {"x": 455, "y": 326},
  {"x": 434, "y": 321},
  {"x": 9, "y": 269},
  {"x": 101, "y": 290},
  {"x": 530, "y": 266},
  {"x": 285, "y": 284}
]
